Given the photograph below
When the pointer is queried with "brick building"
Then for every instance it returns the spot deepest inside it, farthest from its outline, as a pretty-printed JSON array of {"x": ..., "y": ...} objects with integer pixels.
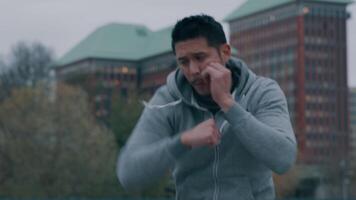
[
  {"x": 118, "y": 59},
  {"x": 302, "y": 45}
]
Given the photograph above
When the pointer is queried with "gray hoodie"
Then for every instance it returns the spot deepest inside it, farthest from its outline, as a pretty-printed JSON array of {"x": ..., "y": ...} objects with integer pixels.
[{"x": 257, "y": 138}]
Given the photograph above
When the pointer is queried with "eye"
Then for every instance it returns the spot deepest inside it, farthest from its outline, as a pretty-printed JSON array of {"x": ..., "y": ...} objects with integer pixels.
[
  {"x": 183, "y": 62},
  {"x": 200, "y": 57}
]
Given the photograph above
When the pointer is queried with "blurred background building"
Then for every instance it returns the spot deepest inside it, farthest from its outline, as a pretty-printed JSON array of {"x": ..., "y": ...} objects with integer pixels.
[
  {"x": 352, "y": 104},
  {"x": 302, "y": 45},
  {"x": 118, "y": 59}
]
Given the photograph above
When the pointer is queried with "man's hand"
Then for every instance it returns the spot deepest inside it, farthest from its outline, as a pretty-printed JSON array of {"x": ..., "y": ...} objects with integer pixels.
[
  {"x": 204, "y": 134},
  {"x": 220, "y": 84}
]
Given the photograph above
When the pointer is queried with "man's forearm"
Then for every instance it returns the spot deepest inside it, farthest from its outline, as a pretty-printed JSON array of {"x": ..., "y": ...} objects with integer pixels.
[
  {"x": 139, "y": 166},
  {"x": 273, "y": 146}
]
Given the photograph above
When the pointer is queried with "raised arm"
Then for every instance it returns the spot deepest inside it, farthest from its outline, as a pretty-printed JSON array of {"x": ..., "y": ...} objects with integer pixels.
[{"x": 267, "y": 134}]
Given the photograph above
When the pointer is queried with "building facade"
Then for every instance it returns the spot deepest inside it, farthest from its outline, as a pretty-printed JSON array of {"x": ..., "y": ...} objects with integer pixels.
[
  {"x": 302, "y": 45},
  {"x": 118, "y": 59},
  {"x": 352, "y": 107}
]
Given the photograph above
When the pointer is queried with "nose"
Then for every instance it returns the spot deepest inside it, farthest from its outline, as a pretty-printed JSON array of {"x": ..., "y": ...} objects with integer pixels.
[{"x": 194, "y": 68}]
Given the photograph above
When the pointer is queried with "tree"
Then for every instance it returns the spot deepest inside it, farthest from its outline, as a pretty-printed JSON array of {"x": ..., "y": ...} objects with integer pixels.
[
  {"x": 54, "y": 148},
  {"x": 125, "y": 113},
  {"x": 287, "y": 184},
  {"x": 27, "y": 65},
  {"x": 2, "y": 64}
]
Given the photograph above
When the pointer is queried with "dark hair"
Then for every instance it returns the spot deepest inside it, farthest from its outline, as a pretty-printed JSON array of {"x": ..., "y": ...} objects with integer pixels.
[{"x": 198, "y": 26}]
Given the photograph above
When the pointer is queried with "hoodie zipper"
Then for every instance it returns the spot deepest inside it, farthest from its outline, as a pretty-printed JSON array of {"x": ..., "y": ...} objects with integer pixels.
[
  {"x": 215, "y": 172},
  {"x": 217, "y": 160},
  {"x": 216, "y": 155},
  {"x": 216, "y": 164}
]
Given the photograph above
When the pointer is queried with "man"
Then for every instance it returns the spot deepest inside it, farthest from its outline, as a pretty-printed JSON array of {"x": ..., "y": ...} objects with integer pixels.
[{"x": 221, "y": 129}]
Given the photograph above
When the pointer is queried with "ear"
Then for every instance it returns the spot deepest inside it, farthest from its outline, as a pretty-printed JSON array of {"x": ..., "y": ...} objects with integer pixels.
[{"x": 225, "y": 52}]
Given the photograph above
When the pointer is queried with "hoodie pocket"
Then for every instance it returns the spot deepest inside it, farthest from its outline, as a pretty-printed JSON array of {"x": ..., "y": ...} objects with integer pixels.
[
  {"x": 195, "y": 189},
  {"x": 238, "y": 188}
]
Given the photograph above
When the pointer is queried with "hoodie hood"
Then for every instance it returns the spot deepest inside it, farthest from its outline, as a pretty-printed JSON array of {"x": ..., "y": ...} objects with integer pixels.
[{"x": 179, "y": 87}]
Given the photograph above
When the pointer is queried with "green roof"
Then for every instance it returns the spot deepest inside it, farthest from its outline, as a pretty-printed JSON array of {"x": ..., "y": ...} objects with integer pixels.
[
  {"x": 254, "y": 6},
  {"x": 120, "y": 41}
]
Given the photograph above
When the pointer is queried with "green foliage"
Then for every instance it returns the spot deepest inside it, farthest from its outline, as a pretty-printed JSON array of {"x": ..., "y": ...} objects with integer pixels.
[
  {"x": 28, "y": 64},
  {"x": 54, "y": 148},
  {"x": 287, "y": 183},
  {"x": 124, "y": 116}
]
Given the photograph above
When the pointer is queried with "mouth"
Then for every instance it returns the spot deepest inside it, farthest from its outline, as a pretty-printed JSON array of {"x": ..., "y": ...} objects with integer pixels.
[{"x": 198, "y": 82}]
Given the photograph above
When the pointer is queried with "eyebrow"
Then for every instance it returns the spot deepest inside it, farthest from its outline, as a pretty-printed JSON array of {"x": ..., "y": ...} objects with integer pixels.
[
  {"x": 200, "y": 54},
  {"x": 182, "y": 58},
  {"x": 194, "y": 54}
]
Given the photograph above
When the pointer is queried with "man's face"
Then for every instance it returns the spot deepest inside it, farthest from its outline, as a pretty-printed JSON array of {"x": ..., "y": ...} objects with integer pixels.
[{"x": 194, "y": 55}]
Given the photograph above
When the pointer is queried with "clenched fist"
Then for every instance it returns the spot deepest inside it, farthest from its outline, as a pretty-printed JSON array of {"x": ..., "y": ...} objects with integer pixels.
[
  {"x": 204, "y": 134},
  {"x": 220, "y": 84}
]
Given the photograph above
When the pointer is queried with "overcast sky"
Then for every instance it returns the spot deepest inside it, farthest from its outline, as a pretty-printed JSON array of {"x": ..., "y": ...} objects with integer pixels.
[{"x": 61, "y": 24}]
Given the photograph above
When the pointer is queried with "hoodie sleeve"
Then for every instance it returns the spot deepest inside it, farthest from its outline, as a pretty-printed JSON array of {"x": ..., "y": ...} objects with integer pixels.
[
  {"x": 151, "y": 149},
  {"x": 268, "y": 134}
]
